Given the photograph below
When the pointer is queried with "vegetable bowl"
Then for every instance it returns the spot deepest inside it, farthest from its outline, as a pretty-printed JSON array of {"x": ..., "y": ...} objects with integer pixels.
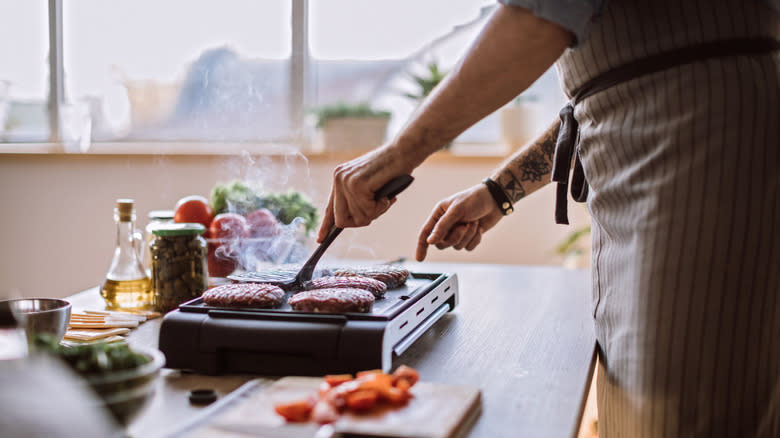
[
  {"x": 126, "y": 392},
  {"x": 247, "y": 226},
  {"x": 225, "y": 255},
  {"x": 123, "y": 378}
]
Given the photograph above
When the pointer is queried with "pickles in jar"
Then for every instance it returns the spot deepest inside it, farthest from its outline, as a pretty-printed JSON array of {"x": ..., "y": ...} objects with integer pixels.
[{"x": 179, "y": 272}]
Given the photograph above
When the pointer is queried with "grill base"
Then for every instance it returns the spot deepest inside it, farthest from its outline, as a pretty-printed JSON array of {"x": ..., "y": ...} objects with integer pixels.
[{"x": 276, "y": 342}]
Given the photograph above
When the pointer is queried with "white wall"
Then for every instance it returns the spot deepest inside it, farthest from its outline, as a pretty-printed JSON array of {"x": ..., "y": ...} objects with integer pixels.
[{"x": 57, "y": 229}]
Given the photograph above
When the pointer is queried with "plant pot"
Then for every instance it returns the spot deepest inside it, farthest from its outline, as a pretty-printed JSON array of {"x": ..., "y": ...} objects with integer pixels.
[
  {"x": 519, "y": 124},
  {"x": 350, "y": 134}
]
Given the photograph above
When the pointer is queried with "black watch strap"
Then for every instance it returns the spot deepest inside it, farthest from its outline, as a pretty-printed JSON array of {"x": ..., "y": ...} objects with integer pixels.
[{"x": 499, "y": 195}]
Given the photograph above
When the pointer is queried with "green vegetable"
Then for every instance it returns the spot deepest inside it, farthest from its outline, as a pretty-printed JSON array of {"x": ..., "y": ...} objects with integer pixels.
[
  {"x": 342, "y": 110},
  {"x": 93, "y": 358},
  {"x": 236, "y": 197},
  {"x": 243, "y": 198},
  {"x": 288, "y": 206}
]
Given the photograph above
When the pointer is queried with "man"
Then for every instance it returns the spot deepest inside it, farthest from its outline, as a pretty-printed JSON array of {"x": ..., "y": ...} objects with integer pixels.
[{"x": 676, "y": 109}]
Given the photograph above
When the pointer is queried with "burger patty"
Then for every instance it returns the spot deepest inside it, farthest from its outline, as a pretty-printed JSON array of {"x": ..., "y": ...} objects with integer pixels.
[
  {"x": 376, "y": 287},
  {"x": 244, "y": 295},
  {"x": 333, "y": 300},
  {"x": 391, "y": 276}
]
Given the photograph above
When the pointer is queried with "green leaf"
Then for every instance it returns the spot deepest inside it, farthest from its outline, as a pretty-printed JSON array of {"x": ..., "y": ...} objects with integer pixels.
[{"x": 341, "y": 110}]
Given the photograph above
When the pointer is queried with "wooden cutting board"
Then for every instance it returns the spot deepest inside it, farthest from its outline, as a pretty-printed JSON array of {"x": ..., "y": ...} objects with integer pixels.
[{"x": 436, "y": 411}]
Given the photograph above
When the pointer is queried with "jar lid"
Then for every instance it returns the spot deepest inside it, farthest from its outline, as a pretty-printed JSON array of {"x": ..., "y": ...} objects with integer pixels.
[
  {"x": 161, "y": 214},
  {"x": 180, "y": 229}
]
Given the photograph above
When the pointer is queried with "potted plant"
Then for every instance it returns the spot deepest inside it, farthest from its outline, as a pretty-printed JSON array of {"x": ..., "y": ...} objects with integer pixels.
[
  {"x": 345, "y": 126},
  {"x": 425, "y": 83},
  {"x": 519, "y": 121}
]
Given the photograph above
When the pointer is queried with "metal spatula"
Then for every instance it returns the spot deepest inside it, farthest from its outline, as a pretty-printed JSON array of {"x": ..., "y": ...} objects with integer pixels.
[{"x": 288, "y": 280}]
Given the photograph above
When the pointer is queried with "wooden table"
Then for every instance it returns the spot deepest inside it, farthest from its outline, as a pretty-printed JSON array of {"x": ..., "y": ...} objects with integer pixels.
[{"x": 524, "y": 335}]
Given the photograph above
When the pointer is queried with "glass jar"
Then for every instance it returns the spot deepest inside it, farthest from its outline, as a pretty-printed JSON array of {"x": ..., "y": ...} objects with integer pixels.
[
  {"x": 156, "y": 218},
  {"x": 126, "y": 285},
  {"x": 179, "y": 271}
]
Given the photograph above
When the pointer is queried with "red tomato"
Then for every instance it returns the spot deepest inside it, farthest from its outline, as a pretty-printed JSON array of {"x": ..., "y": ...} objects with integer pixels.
[
  {"x": 334, "y": 380},
  {"x": 193, "y": 209},
  {"x": 219, "y": 264},
  {"x": 263, "y": 223},
  {"x": 228, "y": 226},
  {"x": 361, "y": 400},
  {"x": 296, "y": 411}
]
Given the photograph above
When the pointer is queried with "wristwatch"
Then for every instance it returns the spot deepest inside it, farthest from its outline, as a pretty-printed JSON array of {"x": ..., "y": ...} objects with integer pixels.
[{"x": 499, "y": 195}]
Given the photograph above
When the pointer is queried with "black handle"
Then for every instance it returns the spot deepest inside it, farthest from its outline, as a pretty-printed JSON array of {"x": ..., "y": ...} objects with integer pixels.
[
  {"x": 389, "y": 190},
  {"x": 393, "y": 187}
]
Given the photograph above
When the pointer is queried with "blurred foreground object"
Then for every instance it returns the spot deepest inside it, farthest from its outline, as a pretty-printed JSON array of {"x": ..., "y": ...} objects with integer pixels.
[{"x": 42, "y": 398}]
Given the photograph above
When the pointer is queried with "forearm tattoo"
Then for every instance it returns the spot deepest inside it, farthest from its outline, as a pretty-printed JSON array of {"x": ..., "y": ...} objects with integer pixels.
[
  {"x": 511, "y": 186},
  {"x": 531, "y": 165}
]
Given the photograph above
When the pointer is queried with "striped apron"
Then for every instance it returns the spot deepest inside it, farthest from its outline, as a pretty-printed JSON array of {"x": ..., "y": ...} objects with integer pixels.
[{"x": 684, "y": 174}]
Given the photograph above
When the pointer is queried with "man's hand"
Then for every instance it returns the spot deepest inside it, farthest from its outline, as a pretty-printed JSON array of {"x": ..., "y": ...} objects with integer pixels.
[
  {"x": 351, "y": 202},
  {"x": 459, "y": 221}
]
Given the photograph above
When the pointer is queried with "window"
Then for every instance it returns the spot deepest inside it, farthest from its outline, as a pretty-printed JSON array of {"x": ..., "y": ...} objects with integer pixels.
[
  {"x": 180, "y": 69},
  {"x": 24, "y": 50},
  {"x": 130, "y": 71}
]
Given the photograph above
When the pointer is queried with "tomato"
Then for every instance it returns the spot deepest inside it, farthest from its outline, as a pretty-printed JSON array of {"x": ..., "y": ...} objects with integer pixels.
[
  {"x": 334, "y": 380},
  {"x": 194, "y": 209},
  {"x": 229, "y": 226},
  {"x": 220, "y": 263},
  {"x": 361, "y": 400},
  {"x": 297, "y": 411},
  {"x": 263, "y": 223}
]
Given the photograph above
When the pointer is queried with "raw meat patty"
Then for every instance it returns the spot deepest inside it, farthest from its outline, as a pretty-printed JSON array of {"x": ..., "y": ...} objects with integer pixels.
[
  {"x": 334, "y": 300},
  {"x": 392, "y": 276},
  {"x": 244, "y": 295},
  {"x": 376, "y": 287}
]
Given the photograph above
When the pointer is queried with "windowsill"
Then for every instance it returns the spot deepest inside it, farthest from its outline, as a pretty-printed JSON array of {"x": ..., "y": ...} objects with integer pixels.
[{"x": 457, "y": 152}]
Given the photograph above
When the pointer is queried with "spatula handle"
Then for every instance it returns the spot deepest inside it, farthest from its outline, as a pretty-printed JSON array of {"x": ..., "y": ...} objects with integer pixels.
[
  {"x": 393, "y": 187},
  {"x": 389, "y": 190}
]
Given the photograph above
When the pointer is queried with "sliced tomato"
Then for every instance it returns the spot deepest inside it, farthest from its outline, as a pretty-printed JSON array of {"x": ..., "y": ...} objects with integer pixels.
[
  {"x": 361, "y": 400},
  {"x": 337, "y": 379},
  {"x": 296, "y": 411}
]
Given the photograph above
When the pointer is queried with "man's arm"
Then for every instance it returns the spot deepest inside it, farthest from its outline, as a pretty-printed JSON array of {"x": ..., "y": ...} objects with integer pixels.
[
  {"x": 511, "y": 52},
  {"x": 529, "y": 169},
  {"x": 460, "y": 220}
]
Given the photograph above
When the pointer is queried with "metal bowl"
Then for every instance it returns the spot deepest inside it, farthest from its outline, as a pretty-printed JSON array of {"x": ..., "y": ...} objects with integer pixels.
[{"x": 42, "y": 316}]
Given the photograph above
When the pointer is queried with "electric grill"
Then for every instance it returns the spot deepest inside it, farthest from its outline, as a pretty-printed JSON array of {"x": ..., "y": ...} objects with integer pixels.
[{"x": 280, "y": 341}]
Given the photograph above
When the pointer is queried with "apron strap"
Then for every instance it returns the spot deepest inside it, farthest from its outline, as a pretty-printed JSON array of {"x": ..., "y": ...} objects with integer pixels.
[
  {"x": 567, "y": 144},
  {"x": 564, "y": 151}
]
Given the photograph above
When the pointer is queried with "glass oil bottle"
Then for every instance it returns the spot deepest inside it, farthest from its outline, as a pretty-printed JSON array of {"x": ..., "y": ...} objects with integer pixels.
[{"x": 127, "y": 285}]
